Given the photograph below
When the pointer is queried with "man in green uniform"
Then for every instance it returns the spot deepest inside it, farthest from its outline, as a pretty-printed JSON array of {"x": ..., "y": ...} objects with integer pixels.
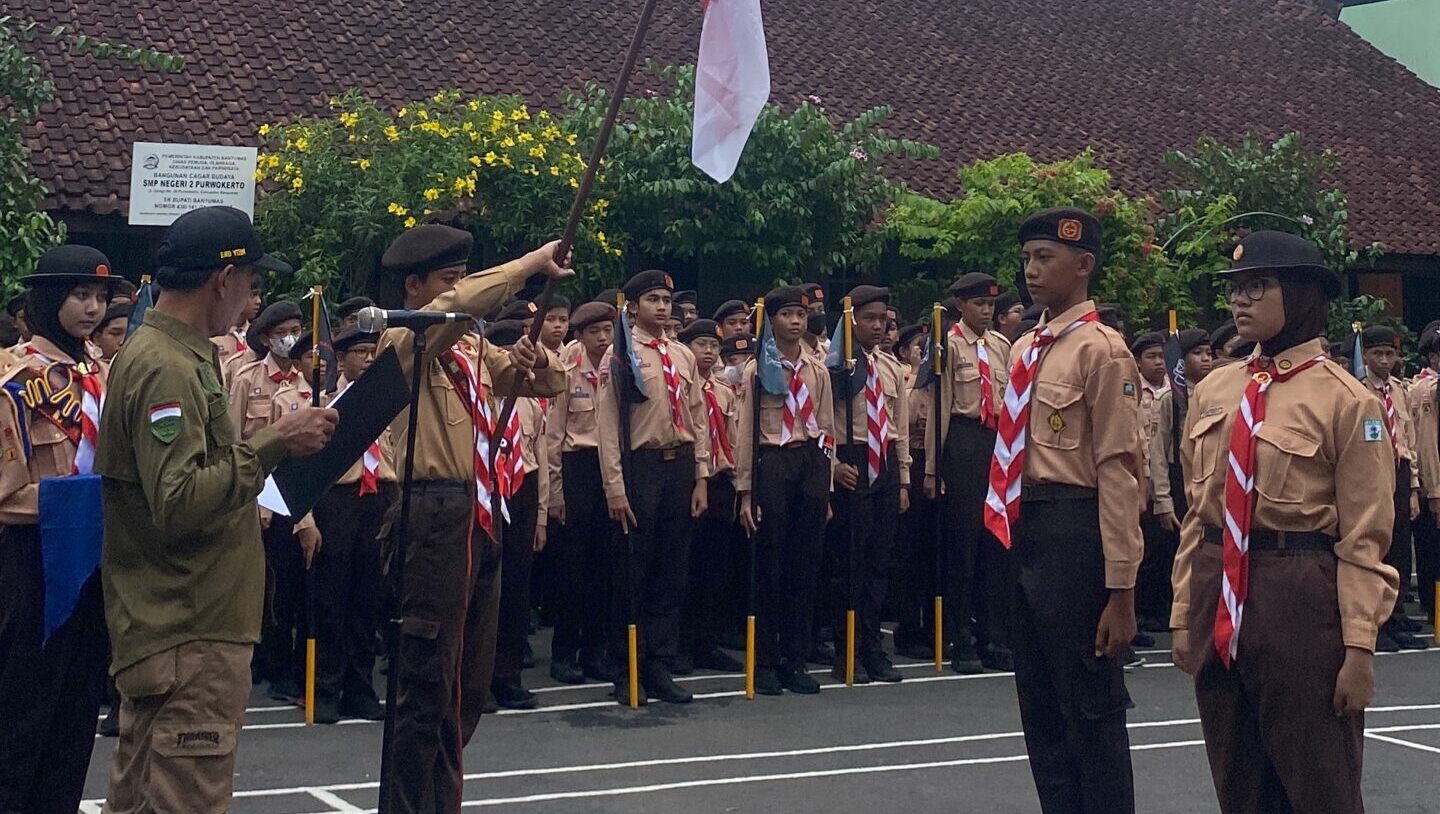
[{"x": 183, "y": 569}]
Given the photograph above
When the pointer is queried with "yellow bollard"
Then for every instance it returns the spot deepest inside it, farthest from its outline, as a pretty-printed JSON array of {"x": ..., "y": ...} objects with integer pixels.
[
  {"x": 849, "y": 648},
  {"x": 310, "y": 681}
]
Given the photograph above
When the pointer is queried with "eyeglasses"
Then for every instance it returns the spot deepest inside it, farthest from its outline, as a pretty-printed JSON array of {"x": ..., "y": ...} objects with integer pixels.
[{"x": 1252, "y": 289}]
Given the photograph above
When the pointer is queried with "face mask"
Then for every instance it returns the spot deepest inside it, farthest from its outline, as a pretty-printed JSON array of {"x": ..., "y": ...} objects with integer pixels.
[
  {"x": 282, "y": 346},
  {"x": 732, "y": 373}
]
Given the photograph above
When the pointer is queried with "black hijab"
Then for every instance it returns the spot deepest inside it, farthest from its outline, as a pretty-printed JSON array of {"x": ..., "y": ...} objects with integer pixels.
[
  {"x": 42, "y": 314},
  {"x": 1307, "y": 312}
]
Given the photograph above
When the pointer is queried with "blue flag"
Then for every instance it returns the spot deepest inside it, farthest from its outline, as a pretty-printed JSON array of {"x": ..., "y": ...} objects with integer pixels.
[
  {"x": 71, "y": 529},
  {"x": 1357, "y": 356},
  {"x": 772, "y": 375},
  {"x": 144, "y": 301},
  {"x": 625, "y": 363}
]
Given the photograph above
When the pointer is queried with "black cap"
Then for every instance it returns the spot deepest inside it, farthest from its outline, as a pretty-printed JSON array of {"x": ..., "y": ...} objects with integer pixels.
[
  {"x": 590, "y": 313},
  {"x": 1283, "y": 253},
  {"x": 1144, "y": 342},
  {"x": 559, "y": 302},
  {"x": 647, "y": 281},
  {"x": 1005, "y": 301},
  {"x": 730, "y": 308},
  {"x": 301, "y": 347},
  {"x": 1065, "y": 224},
  {"x": 352, "y": 306},
  {"x": 505, "y": 332},
  {"x": 699, "y": 328},
  {"x": 1430, "y": 341},
  {"x": 120, "y": 310},
  {"x": 352, "y": 336},
  {"x": 1222, "y": 334},
  {"x": 427, "y": 248},
  {"x": 785, "y": 296},
  {"x": 686, "y": 296},
  {"x": 212, "y": 237},
  {"x": 909, "y": 332},
  {"x": 1192, "y": 338},
  {"x": 70, "y": 265},
  {"x": 1380, "y": 336},
  {"x": 519, "y": 310},
  {"x": 607, "y": 296},
  {"x": 974, "y": 285},
  {"x": 16, "y": 304},
  {"x": 740, "y": 343},
  {"x": 862, "y": 295}
]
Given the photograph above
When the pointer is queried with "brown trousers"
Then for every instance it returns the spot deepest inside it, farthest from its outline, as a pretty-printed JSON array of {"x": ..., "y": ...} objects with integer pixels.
[
  {"x": 180, "y": 714},
  {"x": 1274, "y": 743}
]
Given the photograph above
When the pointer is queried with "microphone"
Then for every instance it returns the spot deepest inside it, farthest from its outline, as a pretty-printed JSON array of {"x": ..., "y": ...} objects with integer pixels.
[{"x": 374, "y": 320}]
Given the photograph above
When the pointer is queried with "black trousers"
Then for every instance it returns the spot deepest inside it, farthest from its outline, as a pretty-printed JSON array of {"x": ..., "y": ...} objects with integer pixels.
[
  {"x": 1427, "y": 559},
  {"x": 1153, "y": 591},
  {"x": 49, "y": 695},
  {"x": 651, "y": 566},
  {"x": 280, "y": 655},
  {"x": 859, "y": 540},
  {"x": 448, "y": 607},
  {"x": 347, "y": 589},
  {"x": 581, "y": 558},
  {"x": 516, "y": 558},
  {"x": 792, "y": 487},
  {"x": 715, "y": 560},
  {"x": 1399, "y": 556},
  {"x": 977, "y": 567},
  {"x": 913, "y": 569},
  {"x": 1072, "y": 705}
]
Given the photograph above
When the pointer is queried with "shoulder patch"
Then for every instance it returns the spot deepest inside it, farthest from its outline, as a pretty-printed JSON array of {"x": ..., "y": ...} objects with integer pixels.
[
  {"x": 1374, "y": 429},
  {"x": 1129, "y": 389},
  {"x": 165, "y": 421},
  {"x": 208, "y": 379}
]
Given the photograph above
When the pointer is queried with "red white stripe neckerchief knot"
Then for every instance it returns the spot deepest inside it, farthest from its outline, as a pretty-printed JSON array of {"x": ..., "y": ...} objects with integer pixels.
[
  {"x": 719, "y": 429},
  {"x": 797, "y": 404},
  {"x": 988, "y": 416},
  {"x": 479, "y": 406},
  {"x": 1007, "y": 466},
  {"x": 284, "y": 377},
  {"x": 240, "y": 346},
  {"x": 672, "y": 381},
  {"x": 1425, "y": 373},
  {"x": 92, "y": 401},
  {"x": 1390, "y": 417},
  {"x": 1240, "y": 501},
  {"x": 510, "y": 468},
  {"x": 370, "y": 470},
  {"x": 877, "y": 422}
]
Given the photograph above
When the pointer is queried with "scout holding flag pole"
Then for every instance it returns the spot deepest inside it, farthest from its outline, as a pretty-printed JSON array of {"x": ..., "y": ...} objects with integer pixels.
[{"x": 758, "y": 321}]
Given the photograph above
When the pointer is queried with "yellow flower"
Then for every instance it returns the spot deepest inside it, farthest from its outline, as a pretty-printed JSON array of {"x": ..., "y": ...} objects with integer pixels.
[
  {"x": 264, "y": 129},
  {"x": 507, "y": 142},
  {"x": 297, "y": 183},
  {"x": 474, "y": 105},
  {"x": 520, "y": 114},
  {"x": 432, "y": 194},
  {"x": 392, "y": 133},
  {"x": 363, "y": 163},
  {"x": 410, "y": 223},
  {"x": 302, "y": 144},
  {"x": 424, "y": 115},
  {"x": 259, "y": 175},
  {"x": 440, "y": 96},
  {"x": 550, "y": 133},
  {"x": 524, "y": 138},
  {"x": 571, "y": 139},
  {"x": 397, "y": 209},
  {"x": 475, "y": 160},
  {"x": 458, "y": 186},
  {"x": 506, "y": 161},
  {"x": 402, "y": 111},
  {"x": 349, "y": 119},
  {"x": 491, "y": 158},
  {"x": 538, "y": 151},
  {"x": 554, "y": 170},
  {"x": 574, "y": 184},
  {"x": 290, "y": 169}
]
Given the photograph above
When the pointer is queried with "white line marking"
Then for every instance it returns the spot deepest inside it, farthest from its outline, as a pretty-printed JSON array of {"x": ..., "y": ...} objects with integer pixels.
[
  {"x": 1398, "y": 742},
  {"x": 339, "y": 804},
  {"x": 1402, "y": 728}
]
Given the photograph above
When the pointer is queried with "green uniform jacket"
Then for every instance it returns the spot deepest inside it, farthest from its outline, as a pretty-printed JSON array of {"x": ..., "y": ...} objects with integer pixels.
[{"x": 182, "y": 559}]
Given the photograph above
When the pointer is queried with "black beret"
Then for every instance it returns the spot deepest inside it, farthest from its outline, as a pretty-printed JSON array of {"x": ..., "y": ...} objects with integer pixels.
[
  {"x": 1007, "y": 300},
  {"x": 1144, "y": 342},
  {"x": 1379, "y": 336},
  {"x": 1223, "y": 334},
  {"x": 352, "y": 306},
  {"x": 120, "y": 310},
  {"x": 302, "y": 346},
  {"x": 862, "y": 295},
  {"x": 647, "y": 281},
  {"x": 785, "y": 296},
  {"x": 686, "y": 296},
  {"x": 608, "y": 296},
  {"x": 740, "y": 343},
  {"x": 1430, "y": 341},
  {"x": 815, "y": 290},
  {"x": 699, "y": 328},
  {"x": 730, "y": 308},
  {"x": 427, "y": 248},
  {"x": 558, "y": 301},
  {"x": 909, "y": 332},
  {"x": 1065, "y": 224},
  {"x": 352, "y": 336},
  {"x": 1340, "y": 350},
  {"x": 1282, "y": 253},
  {"x": 1027, "y": 324},
  {"x": 976, "y": 284},
  {"x": 519, "y": 310},
  {"x": 590, "y": 313},
  {"x": 1033, "y": 313},
  {"x": 70, "y": 265},
  {"x": 505, "y": 332},
  {"x": 274, "y": 314},
  {"x": 1192, "y": 338}
]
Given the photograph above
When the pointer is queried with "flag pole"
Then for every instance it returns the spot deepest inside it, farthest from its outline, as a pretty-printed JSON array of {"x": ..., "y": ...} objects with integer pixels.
[
  {"x": 582, "y": 195},
  {"x": 759, "y": 319},
  {"x": 937, "y": 345},
  {"x": 315, "y": 294},
  {"x": 846, "y": 330}
]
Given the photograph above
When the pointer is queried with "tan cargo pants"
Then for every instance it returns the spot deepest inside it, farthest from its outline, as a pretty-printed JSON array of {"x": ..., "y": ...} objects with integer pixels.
[{"x": 180, "y": 713}]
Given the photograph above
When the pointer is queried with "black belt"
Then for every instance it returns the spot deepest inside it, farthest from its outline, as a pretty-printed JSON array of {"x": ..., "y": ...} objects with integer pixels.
[
  {"x": 440, "y": 487},
  {"x": 1053, "y": 492},
  {"x": 1271, "y": 540},
  {"x": 667, "y": 454}
]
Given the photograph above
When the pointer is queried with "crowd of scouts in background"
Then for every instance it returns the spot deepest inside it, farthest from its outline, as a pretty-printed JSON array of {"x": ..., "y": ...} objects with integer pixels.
[{"x": 843, "y": 500}]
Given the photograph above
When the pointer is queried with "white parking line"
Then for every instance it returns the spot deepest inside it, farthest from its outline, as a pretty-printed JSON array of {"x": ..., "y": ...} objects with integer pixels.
[
  {"x": 1398, "y": 742},
  {"x": 337, "y": 803}
]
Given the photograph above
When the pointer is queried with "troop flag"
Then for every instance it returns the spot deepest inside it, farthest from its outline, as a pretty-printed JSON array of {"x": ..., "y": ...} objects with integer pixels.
[{"x": 732, "y": 84}]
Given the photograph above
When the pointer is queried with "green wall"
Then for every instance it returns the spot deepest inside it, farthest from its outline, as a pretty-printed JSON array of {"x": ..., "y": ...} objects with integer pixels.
[{"x": 1407, "y": 30}]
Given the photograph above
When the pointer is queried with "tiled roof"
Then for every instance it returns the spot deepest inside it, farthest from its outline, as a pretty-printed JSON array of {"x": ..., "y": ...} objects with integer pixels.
[{"x": 975, "y": 78}]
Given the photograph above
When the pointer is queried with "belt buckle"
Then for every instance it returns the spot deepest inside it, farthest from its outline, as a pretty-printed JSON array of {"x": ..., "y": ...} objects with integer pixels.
[
  {"x": 1281, "y": 540},
  {"x": 668, "y": 455}
]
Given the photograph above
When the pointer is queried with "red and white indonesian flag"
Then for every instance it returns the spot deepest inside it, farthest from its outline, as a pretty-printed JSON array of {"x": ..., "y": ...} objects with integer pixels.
[{"x": 732, "y": 84}]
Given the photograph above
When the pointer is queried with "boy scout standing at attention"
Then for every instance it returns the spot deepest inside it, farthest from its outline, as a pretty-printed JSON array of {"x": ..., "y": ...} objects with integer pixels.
[
  {"x": 670, "y": 466},
  {"x": 1426, "y": 410},
  {"x": 978, "y": 568},
  {"x": 1065, "y": 496},
  {"x": 183, "y": 568},
  {"x": 451, "y": 594},
  {"x": 1280, "y": 584}
]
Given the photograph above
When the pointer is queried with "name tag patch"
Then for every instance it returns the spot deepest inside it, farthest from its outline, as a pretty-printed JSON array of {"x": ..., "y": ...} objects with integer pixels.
[{"x": 1374, "y": 429}]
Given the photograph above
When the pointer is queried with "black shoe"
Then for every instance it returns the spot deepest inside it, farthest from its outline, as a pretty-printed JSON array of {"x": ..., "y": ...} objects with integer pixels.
[
  {"x": 529, "y": 659},
  {"x": 796, "y": 680},
  {"x": 326, "y": 711},
  {"x": 1142, "y": 640},
  {"x": 720, "y": 661},
  {"x": 287, "y": 690},
  {"x": 1385, "y": 643},
  {"x": 110, "y": 725},
  {"x": 489, "y": 707},
  {"x": 662, "y": 687},
  {"x": 363, "y": 707},
  {"x": 533, "y": 622},
  {"x": 566, "y": 671},
  {"x": 879, "y": 668},
  {"x": 823, "y": 653},
  {"x": 1131, "y": 660},
  {"x": 621, "y": 694},
  {"x": 510, "y": 695},
  {"x": 682, "y": 665},
  {"x": 997, "y": 657},
  {"x": 963, "y": 658},
  {"x": 767, "y": 682},
  {"x": 915, "y": 651},
  {"x": 598, "y": 669},
  {"x": 1408, "y": 641},
  {"x": 1408, "y": 625},
  {"x": 861, "y": 677}
]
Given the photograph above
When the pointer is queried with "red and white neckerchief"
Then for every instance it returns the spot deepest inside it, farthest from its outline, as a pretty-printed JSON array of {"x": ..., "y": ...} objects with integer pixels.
[
  {"x": 240, "y": 346},
  {"x": 92, "y": 401},
  {"x": 877, "y": 422},
  {"x": 988, "y": 416},
  {"x": 281, "y": 377},
  {"x": 510, "y": 468},
  {"x": 1390, "y": 417},
  {"x": 1007, "y": 466},
  {"x": 719, "y": 430},
  {"x": 797, "y": 404},
  {"x": 1425, "y": 373},
  {"x": 1240, "y": 502},
  {"x": 672, "y": 381},
  {"x": 370, "y": 470},
  {"x": 479, "y": 405}
]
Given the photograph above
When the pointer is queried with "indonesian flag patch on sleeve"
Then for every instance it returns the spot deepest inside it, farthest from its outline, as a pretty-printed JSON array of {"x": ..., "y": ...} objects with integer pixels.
[{"x": 165, "y": 421}]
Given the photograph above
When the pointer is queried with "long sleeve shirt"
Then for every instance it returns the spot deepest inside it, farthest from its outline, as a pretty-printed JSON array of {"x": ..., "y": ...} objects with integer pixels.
[
  {"x": 960, "y": 386},
  {"x": 817, "y": 382}
]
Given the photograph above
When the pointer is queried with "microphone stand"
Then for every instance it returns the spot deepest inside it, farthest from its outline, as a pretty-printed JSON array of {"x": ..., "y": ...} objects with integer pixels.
[{"x": 401, "y": 537}]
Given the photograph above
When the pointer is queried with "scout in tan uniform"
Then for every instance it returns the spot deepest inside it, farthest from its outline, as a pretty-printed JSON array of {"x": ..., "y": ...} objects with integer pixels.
[
  {"x": 1423, "y": 407},
  {"x": 348, "y": 312},
  {"x": 977, "y": 585},
  {"x": 1152, "y": 592},
  {"x": 1293, "y": 641},
  {"x": 50, "y": 690},
  {"x": 233, "y": 341},
  {"x": 717, "y": 558},
  {"x": 451, "y": 593},
  {"x": 733, "y": 317},
  {"x": 1065, "y": 493},
  {"x": 872, "y": 480},
  {"x": 183, "y": 568},
  {"x": 556, "y": 324},
  {"x": 109, "y": 334},
  {"x": 658, "y": 499},
  {"x": 789, "y": 509},
  {"x": 581, "y": 544},
  {"x": 913, "y": 584}
]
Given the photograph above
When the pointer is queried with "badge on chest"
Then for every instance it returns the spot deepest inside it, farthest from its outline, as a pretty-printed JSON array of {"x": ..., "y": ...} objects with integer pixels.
[{"x": 1056, "y": 421}]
